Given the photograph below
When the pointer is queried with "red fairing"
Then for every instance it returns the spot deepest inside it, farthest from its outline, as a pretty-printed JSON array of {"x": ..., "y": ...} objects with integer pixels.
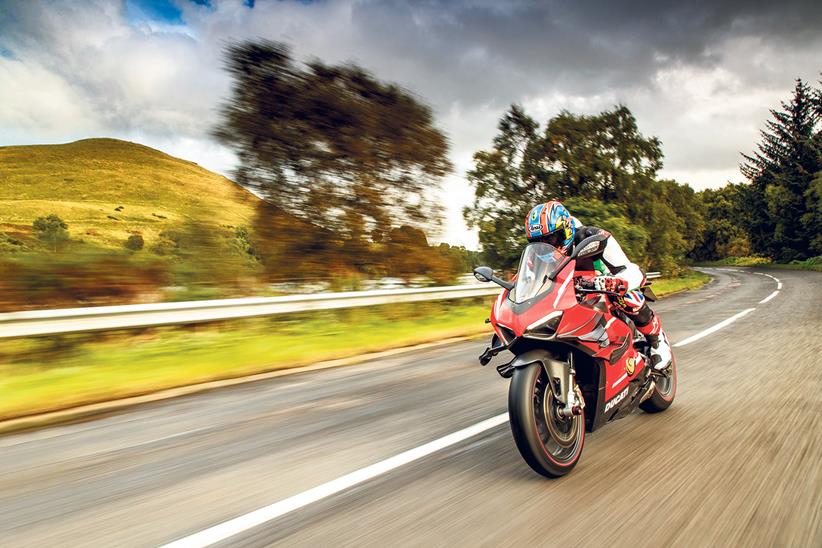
[
  {"x": 580, "y": 317},
  {"x": 576, "y": 365}
]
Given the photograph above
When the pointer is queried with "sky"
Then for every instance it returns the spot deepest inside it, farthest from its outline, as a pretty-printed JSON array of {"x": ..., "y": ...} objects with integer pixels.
[{"x": 701, "y": 76}]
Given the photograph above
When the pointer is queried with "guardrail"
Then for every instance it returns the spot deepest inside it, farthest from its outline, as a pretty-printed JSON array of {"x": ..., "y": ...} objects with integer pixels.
[{"x": 105, "y": 318}]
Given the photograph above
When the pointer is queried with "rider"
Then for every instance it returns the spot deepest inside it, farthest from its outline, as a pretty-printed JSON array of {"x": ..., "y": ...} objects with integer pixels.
[{"x": 553, "y": 224}]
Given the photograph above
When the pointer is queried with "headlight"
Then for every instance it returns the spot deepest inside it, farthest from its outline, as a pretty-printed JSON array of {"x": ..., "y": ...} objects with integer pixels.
[{"x": 544, "y": 328}]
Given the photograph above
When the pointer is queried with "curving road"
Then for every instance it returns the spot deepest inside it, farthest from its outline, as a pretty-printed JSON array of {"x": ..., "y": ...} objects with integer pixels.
[{"x": 736, "y": 461}]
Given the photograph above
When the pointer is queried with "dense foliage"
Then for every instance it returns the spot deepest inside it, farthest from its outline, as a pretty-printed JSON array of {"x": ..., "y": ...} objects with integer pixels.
[
  {"x": 605, "y": 171},
  {"x": 601, "y": 166}
]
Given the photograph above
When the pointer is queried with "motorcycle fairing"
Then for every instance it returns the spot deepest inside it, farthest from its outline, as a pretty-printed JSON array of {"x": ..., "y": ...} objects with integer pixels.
[{"x": 589, "y": 327}]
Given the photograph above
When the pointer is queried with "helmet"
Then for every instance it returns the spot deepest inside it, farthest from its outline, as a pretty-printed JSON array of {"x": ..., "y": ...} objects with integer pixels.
[{"x": 550, "y": 223}]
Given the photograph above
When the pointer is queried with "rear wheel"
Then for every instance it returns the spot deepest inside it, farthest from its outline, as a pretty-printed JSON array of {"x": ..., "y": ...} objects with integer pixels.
[
  {"x": 664, "y": 392},
  {"x": 550, "y": 443}
]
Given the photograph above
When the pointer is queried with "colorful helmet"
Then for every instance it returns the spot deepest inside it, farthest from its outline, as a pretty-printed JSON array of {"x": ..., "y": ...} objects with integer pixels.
[{"x": 550, "y": 223}]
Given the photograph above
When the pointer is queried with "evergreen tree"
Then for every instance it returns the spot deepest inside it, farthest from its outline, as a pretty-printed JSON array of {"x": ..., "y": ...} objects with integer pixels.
[{"x": 780, "y": 200}]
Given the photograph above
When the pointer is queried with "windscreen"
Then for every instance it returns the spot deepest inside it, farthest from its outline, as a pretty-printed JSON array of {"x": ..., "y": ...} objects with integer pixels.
[{"x": 537, "y": 263}]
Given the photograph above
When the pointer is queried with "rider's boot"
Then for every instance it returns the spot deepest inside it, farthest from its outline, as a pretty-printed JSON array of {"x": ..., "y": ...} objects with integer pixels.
[{"x": 661, "y": 354}]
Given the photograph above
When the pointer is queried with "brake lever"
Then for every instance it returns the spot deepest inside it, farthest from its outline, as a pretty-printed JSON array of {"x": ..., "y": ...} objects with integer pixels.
[{"x": 601, "y": 292}]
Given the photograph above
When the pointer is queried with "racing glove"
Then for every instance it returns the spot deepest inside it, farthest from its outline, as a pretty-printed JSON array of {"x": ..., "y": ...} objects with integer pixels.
[{"x": 610, "y": 283}]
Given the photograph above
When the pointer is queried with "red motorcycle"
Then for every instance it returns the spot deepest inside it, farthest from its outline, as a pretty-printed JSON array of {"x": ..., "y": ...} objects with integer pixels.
[{"x": 579, "y": 361}]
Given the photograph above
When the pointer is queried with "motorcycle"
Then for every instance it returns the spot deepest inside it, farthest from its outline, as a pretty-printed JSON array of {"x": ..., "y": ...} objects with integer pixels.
[{"x": 579, "y": 361}]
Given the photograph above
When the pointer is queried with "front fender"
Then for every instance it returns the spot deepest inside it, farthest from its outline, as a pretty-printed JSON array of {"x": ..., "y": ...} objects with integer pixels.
[{"x": 556, "y": 369}]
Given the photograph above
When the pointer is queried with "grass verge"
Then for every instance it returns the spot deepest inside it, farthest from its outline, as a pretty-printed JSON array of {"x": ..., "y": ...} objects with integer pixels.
[
  {"x": 692, "y": 280},
  {"x": 46, "y": 374}
]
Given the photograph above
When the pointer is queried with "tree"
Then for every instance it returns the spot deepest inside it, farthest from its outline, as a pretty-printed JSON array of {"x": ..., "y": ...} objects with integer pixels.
[
  {"x": 134, "y": 242},
  {"x": 601, "y": 166},
  {"x": 331, "y": 144},
  {"x": 781, "y": 199},
  {"x": 503, "y": 179},
  {"x": 724, "y": 232},
  {"x": 51, "y": 229}
]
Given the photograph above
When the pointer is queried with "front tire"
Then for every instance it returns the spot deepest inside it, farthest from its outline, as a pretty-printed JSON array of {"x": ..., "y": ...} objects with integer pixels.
[
  {"x": 664, "y": 392},
  {"x": 549, "y": 443}
]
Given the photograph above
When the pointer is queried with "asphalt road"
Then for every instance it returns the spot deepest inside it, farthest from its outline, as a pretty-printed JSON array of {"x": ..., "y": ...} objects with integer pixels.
[{"x": 737, "y": 460}]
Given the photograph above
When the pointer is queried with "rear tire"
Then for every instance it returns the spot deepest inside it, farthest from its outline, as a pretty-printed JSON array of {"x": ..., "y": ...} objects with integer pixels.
[
  {"x": 664, "y": 393},
  {"x": 549, "y": 443}
]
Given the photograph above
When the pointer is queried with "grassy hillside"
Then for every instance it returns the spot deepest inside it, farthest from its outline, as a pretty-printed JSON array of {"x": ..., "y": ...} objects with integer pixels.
[{"x": 106, "y": 189}]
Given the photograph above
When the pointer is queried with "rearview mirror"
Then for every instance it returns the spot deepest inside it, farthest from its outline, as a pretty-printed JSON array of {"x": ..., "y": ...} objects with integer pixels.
[
  {"x": 589, "y": 246},
  {"x": 483, "y": 273},
  {"x": 486, "y": 274}
]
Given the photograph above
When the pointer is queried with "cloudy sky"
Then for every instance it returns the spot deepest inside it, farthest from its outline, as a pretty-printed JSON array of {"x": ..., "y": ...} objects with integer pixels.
[{"x": 699, "y": 75}]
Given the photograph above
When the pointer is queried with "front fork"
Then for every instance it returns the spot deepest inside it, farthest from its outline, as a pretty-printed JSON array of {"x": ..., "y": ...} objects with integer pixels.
[
  {"x": 567, "y": 393},
  {"x": 570, "y": 394}
]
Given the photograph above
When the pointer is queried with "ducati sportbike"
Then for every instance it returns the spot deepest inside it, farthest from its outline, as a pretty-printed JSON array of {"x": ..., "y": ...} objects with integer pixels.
[{"x": 579, "y": 361}]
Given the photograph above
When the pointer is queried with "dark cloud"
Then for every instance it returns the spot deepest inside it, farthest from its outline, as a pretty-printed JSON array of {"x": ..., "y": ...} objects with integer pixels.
[{"x": 700, "y": 75}]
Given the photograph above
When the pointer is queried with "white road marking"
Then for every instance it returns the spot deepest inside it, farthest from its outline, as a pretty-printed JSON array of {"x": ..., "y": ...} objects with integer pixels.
[
  {"x": 778, "y": 287},
  {"x": 769, "y": 297},
  {"x": 714, "y": 328},
  {"x": 235, "y": 526},
  {"x": 262, "y": 515}
]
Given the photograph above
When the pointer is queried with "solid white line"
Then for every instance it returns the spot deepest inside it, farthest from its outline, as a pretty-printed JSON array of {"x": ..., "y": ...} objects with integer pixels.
[
  {"x": 779, "y": 285},
  {"x": 262, "y": 515},
  {"x": 769, "y": 297},
  {"x": 714, "y": 328}
]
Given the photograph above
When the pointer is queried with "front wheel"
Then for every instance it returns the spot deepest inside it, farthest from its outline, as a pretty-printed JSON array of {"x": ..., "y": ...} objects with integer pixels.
[
  {"x": 664, "y": 392},
  {"x": 550, "y": 443}
]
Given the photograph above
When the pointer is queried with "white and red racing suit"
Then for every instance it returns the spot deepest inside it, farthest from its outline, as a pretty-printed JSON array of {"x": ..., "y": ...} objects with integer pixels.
[{"x": 613, "y": 261}]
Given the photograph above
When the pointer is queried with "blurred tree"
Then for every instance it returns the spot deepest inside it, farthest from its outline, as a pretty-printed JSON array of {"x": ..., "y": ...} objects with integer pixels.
[
  {"x": 782, "y": 202},
  {"x": 330, "y": 145},
  {"x": 406, "y": 253},
  {"x": 51, "y": 229},
  {"x": 134, "y": 242}
]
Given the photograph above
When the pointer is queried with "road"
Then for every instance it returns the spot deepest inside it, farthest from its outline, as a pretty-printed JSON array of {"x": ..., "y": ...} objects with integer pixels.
[{"x": 737, "y": 460}]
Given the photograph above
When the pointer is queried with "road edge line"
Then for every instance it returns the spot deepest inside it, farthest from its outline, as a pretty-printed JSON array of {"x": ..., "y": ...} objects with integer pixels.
[{"x": 244, "y": 522}]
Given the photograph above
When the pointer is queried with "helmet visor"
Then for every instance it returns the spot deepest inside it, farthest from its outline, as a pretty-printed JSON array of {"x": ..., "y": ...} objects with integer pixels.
[{"x": 556, "y": 238}]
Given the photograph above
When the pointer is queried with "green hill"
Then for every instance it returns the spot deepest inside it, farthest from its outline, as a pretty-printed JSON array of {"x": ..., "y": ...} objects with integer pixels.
[{"x": 106, "y": 189}]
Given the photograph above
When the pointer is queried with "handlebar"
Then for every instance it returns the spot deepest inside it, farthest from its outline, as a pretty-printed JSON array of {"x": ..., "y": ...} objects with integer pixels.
[
  {"x": 601, "y": 292},
  {"x": 584, "y": 285}
]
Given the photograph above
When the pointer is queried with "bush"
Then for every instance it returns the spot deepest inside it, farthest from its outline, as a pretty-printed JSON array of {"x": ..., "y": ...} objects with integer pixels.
[
  {"x": 134, "y": 242},
  {"x": 51, "y": 229}
]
